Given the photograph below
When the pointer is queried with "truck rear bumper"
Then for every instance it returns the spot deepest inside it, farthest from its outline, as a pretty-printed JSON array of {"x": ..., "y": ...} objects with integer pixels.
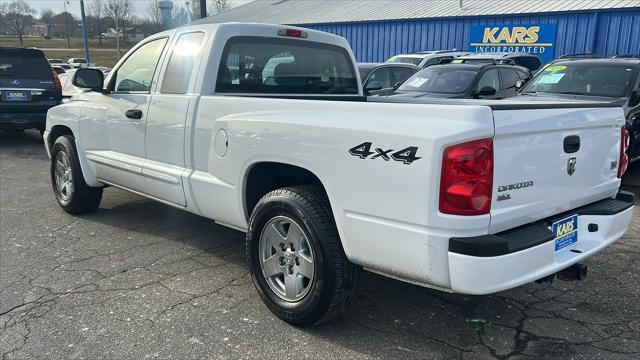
[{"x": 491, "y": 263}]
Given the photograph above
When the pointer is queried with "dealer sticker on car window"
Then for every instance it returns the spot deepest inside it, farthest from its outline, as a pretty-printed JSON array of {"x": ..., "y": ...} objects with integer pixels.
[
  {"x": 552, "y": 78},
  {"x": 565, "y": 231},
  {"x": 417, "y": 82}
]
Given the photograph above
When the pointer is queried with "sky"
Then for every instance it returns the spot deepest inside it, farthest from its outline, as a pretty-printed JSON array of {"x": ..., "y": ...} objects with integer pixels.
[{"x": 139, "y": 7}]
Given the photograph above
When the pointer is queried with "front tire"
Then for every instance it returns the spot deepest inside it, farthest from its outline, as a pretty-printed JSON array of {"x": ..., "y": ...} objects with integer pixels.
[
  {"x": 71, "y": 191},
  {"x": 296, "y": 259}
]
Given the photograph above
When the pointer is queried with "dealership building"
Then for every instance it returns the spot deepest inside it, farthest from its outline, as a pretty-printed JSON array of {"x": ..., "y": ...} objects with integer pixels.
[{"x": 378, "y": 29}]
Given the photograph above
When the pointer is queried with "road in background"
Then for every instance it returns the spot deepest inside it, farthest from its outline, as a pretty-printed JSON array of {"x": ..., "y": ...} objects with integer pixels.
[{"x": 138, "y": 279}]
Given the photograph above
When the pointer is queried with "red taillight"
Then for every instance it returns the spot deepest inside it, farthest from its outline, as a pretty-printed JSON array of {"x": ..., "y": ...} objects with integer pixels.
[
  {"x": 293, "y": 33},
  {"x": 624, "y": 146},
  {"x": 467, "y": 178},
  {"x": 56, "y": 80}
]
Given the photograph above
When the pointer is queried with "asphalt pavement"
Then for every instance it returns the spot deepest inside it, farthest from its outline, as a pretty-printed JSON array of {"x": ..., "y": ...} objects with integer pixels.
[{"x": 137, "y": 280}]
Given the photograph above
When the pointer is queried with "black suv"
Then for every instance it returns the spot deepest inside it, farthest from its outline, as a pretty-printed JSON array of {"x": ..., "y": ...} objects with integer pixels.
[
  {"x": 463, "y": 81},
  {"x": 604, "y": 79},
  {"x": 28, "y": 88}
]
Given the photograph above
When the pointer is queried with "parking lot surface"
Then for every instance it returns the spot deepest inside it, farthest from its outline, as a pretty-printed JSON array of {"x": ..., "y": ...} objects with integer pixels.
[{"x": 138, "y": 279}]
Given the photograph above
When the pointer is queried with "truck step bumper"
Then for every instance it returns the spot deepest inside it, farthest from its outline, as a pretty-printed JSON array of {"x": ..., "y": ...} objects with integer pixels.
[{"x": 491, "y": 263}]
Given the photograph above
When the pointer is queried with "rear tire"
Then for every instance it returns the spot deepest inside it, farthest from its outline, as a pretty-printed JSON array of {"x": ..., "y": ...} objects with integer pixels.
[
  {"x": 71, "y": 191},
  {"x": 325, "y": 281}
]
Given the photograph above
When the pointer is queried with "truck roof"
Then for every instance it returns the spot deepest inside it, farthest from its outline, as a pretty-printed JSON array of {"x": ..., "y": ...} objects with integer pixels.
[{"x": 231, "y": 29}]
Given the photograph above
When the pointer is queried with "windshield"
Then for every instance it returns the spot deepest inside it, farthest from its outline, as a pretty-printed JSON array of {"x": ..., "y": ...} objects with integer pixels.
[
  {"x": 437, "y": 79},
  {"x": 80, "y": 61},
  {"x": 610, "y": 80},
  {"x": 405, "y": 60}
]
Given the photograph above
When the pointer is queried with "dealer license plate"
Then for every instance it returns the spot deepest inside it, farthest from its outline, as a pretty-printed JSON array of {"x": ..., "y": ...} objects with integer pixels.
[
  {"x": 565, "y": 231},
  {"x": 15, "y": 95}
]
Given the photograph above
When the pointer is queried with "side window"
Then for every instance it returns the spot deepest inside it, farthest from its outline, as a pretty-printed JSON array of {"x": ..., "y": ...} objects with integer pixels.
[
  {"x": 181, "y": 64},
  {"x": 509, "y": 78},
  {"x": 379, "y": 77},
  {"x": 256, "y": 65},
  {"x": 400, "y": 75},
  {"x": 489, "y": 79},
  {"x": 136, "y": 73},
  {"x": 523, "y": 75}
]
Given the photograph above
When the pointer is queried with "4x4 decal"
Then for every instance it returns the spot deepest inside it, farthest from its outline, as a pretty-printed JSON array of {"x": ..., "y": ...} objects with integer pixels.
[{"x": 406, "y": 155}]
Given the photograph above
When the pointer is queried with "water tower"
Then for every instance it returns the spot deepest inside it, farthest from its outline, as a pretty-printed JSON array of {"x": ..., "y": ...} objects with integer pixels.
[{"x": 165, "y": 7}]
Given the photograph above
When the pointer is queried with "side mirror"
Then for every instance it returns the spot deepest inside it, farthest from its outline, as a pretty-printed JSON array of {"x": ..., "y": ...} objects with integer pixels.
[
  {"x": 92, "y": 79},
  {"x": 486, "y": 91},
  {"x": 396, "y": 86},
  {"x": 520, "y": 84},
  {"x": 373, "y": 86}
]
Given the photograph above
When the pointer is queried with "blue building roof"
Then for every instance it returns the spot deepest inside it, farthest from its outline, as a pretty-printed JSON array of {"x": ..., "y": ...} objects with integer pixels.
[{"x": 349, "y": 11}]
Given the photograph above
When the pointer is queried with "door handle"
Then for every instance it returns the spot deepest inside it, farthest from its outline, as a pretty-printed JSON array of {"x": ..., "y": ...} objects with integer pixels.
[
  {"x": 571, "y": 144},
  {"x": 133, "y": 114}
]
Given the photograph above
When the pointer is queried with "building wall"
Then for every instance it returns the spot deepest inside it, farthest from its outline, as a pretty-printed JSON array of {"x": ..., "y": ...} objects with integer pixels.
[{"x": 601, "y": 32}]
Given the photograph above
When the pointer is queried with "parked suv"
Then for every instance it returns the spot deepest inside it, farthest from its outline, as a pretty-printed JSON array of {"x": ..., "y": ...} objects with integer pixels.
[
  {"x": 423, "y": 59},
  {"x": 28, "y": 87},
  {"x": 387, "y": 75},
  {"x": 530, "y": 61},
  {"x": 600, "y": 79},
  {"x": 464, "y": 81}
]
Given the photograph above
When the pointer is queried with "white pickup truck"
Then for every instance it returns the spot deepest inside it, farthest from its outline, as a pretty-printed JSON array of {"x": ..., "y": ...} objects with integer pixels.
[{"x": 265, "y": 129}]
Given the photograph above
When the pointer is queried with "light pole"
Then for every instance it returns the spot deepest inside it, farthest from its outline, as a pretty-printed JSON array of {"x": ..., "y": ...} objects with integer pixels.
[
  {"x": 66, "y": 20},
  {"x": 85, "y": 36}
]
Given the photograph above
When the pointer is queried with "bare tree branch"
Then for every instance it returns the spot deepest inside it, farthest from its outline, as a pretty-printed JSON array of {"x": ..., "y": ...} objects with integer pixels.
[
  {"x": 98, "y": 11},
  {"x": 19, "y": 17}
]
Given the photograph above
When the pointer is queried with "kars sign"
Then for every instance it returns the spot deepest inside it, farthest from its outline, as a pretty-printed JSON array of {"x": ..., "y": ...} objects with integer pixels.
[{"x": 534, "y": 39}]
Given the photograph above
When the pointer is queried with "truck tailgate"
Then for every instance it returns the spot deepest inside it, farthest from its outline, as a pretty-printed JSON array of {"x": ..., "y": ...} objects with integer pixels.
[{"x": 548, "y": 161}]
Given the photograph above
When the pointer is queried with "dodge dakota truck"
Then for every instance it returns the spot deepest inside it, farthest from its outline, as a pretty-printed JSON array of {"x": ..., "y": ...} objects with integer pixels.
[{"x": 265, "y": 129}]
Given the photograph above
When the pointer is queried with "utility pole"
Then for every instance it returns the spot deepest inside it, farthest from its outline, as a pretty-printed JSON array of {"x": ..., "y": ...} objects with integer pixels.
[
  {"x": 66, "y": 21},
  {"x": 203, "y": 9},
  {"x": 85, "y": 36}
]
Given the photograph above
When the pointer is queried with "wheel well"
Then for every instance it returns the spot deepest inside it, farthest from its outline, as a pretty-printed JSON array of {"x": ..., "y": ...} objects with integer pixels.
[
  {"x": 267, "y": 176},
  {"x": 58, "y": 131}
]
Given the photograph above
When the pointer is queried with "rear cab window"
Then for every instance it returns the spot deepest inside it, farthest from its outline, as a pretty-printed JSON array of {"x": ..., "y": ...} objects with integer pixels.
[{"x": 258, "y": 65}]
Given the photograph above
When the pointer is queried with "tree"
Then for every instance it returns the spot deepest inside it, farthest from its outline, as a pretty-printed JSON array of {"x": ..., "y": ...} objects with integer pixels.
[
  {"x": 219, "y": 6},
  {"x": 98, "y": 10},
  {"x": 222, "y": 5},
  {"x": 119, "y": 11},
  {"x": 18, "y": 17},
  {"x": 154, "y": 15},
  {"x": 46, "y": 16}
]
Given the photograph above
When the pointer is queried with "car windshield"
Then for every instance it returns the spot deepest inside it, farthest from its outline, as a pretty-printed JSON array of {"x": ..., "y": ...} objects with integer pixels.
[
  {"x": 405, "y": 60},
  {"x": 438, "y": 79},
  {"x": 609, "y": 80},
  {"x": 80, "y": 61}
]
